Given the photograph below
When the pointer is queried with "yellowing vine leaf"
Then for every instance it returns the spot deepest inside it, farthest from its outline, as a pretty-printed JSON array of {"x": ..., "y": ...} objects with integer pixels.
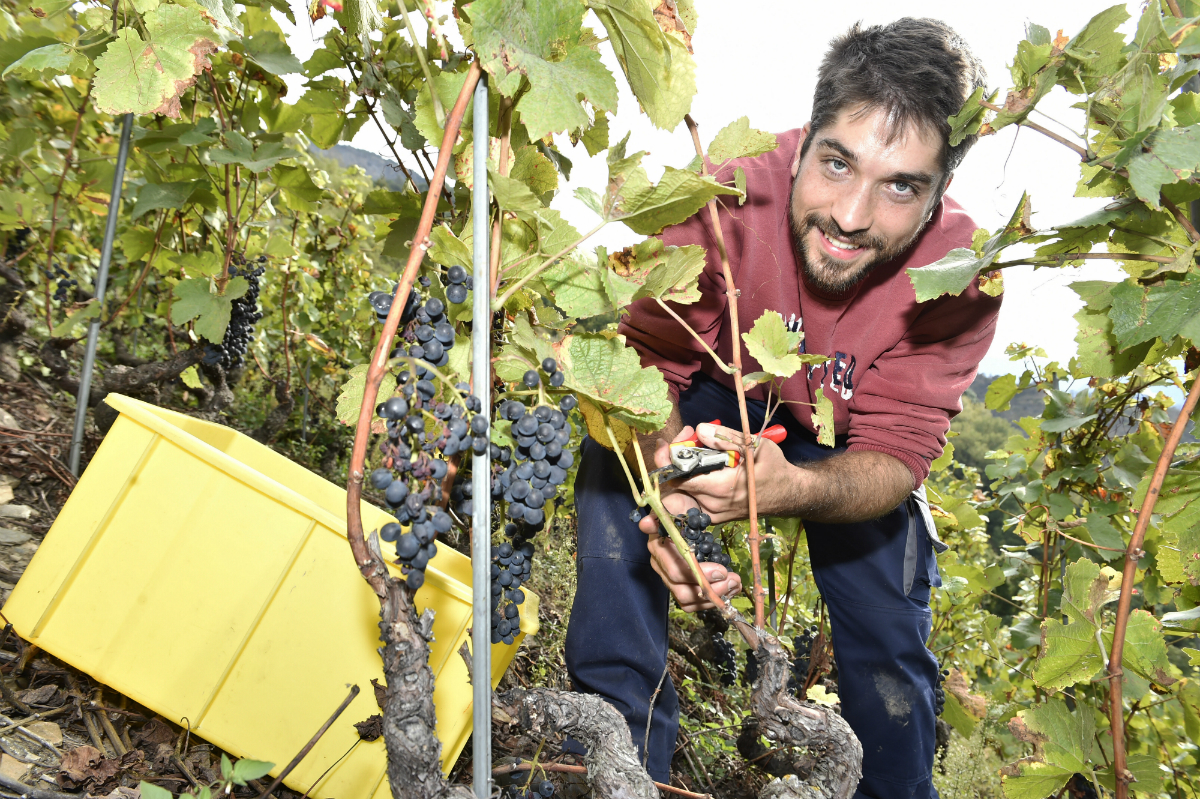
[
  {"x": 774, "y": 346},
  {"x": 822, "y": 419},
  {"x": 612, "y": 376},
  {"x": 145, "y": 77}
]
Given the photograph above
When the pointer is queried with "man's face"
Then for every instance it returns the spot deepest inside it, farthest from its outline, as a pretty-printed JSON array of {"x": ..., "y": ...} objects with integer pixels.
[{"x": 858, "y": 199}]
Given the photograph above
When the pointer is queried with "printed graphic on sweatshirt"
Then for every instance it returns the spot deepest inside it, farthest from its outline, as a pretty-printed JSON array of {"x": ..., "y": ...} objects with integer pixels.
[{"x": 837, "y": 374}]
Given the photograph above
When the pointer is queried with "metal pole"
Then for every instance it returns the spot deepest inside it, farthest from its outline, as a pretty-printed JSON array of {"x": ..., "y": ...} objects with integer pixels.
[
  {"x": 481, "y": 465},
  {"x": 89, "y": 357}
]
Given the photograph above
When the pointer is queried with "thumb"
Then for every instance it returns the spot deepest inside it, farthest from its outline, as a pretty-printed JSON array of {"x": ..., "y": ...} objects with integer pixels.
[{"x": 719, "y": 438}]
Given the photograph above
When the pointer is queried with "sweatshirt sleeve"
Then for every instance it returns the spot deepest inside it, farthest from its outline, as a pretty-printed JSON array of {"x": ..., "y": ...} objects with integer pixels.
[
  {"x": 661, "y": 340},
  {"x": 908, "y": 396}
]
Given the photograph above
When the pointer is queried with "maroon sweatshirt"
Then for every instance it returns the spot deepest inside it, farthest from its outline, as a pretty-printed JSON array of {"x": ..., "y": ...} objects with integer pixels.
[{"x": 897, "y": 368}]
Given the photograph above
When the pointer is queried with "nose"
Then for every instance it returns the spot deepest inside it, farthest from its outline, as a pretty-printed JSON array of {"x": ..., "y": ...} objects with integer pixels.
[{"x": 853, "y": 210}]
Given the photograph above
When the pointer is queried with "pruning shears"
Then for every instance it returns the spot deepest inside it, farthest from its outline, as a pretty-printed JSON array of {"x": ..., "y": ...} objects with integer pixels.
[{"x": 689, "y": 459}]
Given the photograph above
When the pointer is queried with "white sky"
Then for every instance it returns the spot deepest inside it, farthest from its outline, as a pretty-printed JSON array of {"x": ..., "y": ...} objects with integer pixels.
[{"x": 759, "y": 59}]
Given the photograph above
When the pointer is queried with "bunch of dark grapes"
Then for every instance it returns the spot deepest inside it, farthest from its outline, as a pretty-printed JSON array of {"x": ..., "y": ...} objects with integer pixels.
[
  {"x": 459, "y": 284},
  {"x": 542, "y": 790},
  {"x": 725, "y": 660},
  {"x": 421, "y": 432},
  {"x": 801, "y": 658},
  {"x": 526, "y": 479},
  {"x": 939, "y": 692},
  {"x": 694, "y": 527},
  {"x": 244, "y": 314},
  {"x": 510, "y": 568},
  {"x": 66, "y": 284}
]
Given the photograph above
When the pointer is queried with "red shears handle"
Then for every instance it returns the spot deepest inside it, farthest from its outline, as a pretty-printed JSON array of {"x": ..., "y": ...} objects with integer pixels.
[{"x": 775, "y": 432}]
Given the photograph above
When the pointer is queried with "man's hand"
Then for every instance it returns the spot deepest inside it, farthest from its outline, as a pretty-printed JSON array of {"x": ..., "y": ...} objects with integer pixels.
[
  {"x": 665, "y": 558},
  {"x": 725, "y": 495}
]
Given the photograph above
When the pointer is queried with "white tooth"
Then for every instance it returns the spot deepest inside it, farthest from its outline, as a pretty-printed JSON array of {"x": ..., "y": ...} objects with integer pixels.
[{"x": 839, "y": 244}]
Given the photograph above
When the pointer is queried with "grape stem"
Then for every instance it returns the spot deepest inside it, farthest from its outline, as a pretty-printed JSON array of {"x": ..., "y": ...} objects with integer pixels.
[
  {"x": 724, "y": 366},
  {"x": 731, "y": 293},
  {"x": 412, "y": 364}
]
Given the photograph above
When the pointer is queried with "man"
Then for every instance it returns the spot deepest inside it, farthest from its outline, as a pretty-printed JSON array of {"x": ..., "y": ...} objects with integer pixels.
[{"x": 833, "y": 218}]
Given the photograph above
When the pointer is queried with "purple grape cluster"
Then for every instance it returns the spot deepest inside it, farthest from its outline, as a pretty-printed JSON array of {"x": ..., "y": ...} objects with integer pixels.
[
  {"x": 243, "y": 316},
  {"x": 65, "y": 285}
]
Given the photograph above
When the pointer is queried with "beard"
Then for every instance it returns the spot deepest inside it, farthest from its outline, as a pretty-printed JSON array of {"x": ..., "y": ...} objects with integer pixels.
[{"x": 830, "y": 275}]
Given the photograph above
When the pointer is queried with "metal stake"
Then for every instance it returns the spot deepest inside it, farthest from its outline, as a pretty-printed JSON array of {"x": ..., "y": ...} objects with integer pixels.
[
  {"x": 481, "y": 465},
  {"x": 89, "y": 357}
]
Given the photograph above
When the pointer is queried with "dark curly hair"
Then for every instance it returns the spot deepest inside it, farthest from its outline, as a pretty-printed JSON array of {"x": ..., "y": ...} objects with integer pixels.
[{"x": 918, "y": 70}]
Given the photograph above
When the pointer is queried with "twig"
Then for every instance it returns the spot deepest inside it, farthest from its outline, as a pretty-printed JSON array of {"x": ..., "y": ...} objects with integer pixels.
[
  {"x": 1083, "y": 153},
  {"x": 650, "y": 714},
  {"x": 111, "y": 731},
  {"x": 372, "y": 570},
  {"x": 1133, "y": 553},
  {"x": 33, "y": 793},
  {"x": 11, "y": 697},
  {"x": 32, "y": 735},
  {"x": 564, "y": 768},
  {"x": 1088, "y": 544},
  {"x": 35, "y": 717},
  {"x": 788, "y": 595},
  {"x": 1183, "y": 221},
  {"x": 312, "y": 742},
  {"x": 732, "y": 294},
  {"x": 726, "y": 368}
]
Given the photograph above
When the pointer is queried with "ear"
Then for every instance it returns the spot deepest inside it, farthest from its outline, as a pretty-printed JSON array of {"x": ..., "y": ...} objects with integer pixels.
[
  {"x": 800, "y": 145},
  {"x": 949, "y": 180}
]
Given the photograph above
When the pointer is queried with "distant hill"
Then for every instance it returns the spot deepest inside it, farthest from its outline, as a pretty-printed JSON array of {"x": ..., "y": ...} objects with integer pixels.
[
  {"x": 1027, "y": 403},
  {"x": 382, "y": 169}
]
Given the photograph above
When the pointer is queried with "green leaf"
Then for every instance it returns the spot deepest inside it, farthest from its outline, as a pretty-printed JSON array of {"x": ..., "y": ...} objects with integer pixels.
[
  {"x": 245, "y": 770},
  {"x": 774, "y": 346},
  {"x": 822, "y": 419},
  {"x": 514, "y": 196},
  {"x": 151, "y": 791},
  {"x": 675, "y": 275},
  {"x": 659, "y": 68},
  {"x": 195, "y": 300},
  {"x": 1070, "y": 654},
  {"x": 226, "y": 767},
  {"x": 1098, "y": 354},
  {"x": 954, "y": 273},
  {"x": 46, "y": 62},
  {"x": 1084, "y": 592},
  {"x": 1000, "y": 392},
  {"x": 392, "y": 203},
  {"x": 270, "y": 51},
  {"x": 526, "y": 39},
  {"x": 595, "y": 138},
  {"x": 1151, "y": 36},
  {"x": 150, "y": 76},
  {"x": 1036, "y": 781},
  {"x": 1178, "y": 508},
  {"x": 739, "y": 140},
  {"x": 1068, "y": 737},
  {"x": 969, "y": 118},
  {"x": 612, "y": 376},
  {"x": 1141, "y": 313},
  {"x": 534, "y": 170},
  {"x": 1103, "y": 533},
  {"x": 1174, "y": 155},
  {"x": 242, "y": 151},
  {"x": 136, "y": 243},
  {"x": 1145, "y": 648},
  {"x": 1184, "y": 619},
  {"x": 349, "y": 401},
  {"x": 1145, "y": 769},
  {"x": 583, "y": 288},
  {"x": 1193, "y": 656},
  {"x": 648, "y": 208},
  {"x": 191, "y": 377},
  {"x": 153, "y": 196},
  {"x": 447, "y": 249},
  {"x": 295, "y": 181},
  {"x": 1062, "y": 413},
  {"x": 66, "y": 328}
]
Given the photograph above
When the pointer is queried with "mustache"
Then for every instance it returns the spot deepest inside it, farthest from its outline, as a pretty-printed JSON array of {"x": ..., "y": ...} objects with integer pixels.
[{"x": 832, "y": 229}]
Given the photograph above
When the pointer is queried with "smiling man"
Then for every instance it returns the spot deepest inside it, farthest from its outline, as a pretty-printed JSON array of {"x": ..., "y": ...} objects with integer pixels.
[{"x": 832, "y": 219}]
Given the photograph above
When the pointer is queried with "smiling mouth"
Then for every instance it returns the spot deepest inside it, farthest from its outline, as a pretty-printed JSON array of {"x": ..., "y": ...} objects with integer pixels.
[{"x": 837, "y": 247}]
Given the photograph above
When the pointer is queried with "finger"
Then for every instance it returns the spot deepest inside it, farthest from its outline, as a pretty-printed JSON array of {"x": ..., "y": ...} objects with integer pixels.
[
  {"x": 717, "y": 437},
  {"x": 662, "y": 454},
  {"x": 674, "y": 568},
  {"x": 685, "y": 434}
]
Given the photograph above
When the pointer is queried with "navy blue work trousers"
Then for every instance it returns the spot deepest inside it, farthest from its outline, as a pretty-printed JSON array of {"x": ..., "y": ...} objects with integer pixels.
[{"x": 875, "y": 578}]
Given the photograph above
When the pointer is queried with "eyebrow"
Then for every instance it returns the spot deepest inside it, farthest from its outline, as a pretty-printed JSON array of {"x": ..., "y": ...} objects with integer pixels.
[{"x": 923, "y": 178}]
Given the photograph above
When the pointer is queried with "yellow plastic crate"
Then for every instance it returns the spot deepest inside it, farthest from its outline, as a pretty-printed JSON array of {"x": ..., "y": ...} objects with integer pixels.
[{"x": 209, "y": 578}]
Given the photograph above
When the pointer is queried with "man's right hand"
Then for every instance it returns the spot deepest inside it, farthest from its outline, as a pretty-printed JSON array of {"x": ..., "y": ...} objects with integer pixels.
[{"x": 665, "y": 558}]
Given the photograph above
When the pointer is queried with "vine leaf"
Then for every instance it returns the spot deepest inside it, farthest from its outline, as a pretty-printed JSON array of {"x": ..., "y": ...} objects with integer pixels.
[
  {"x": 584, "y": 287},
  {"x": 774, "y": 346},
  {"x": 145, "y": 77},
  {"x": 449, "y": 250},
  {"x": 1173, "y": 155},
  {"x": 240, "y": 150},
  {"x": 969, "y": 118},
  {"x": 739, "y": 140},
  {"x": 1063, "y": 744},
  {"x": 954, "y": 273},
  {"x": 176, "y": 194},
  {"x": 519, "y": 40},
  {"x": 611, "y": 375},
  {"x": 1142, "y": 313},
  {"x": 647, "y": 208},
  {"x": 194, "y": 299},
  {"x": 270, "y": 51},
  {"x": 350, "y": 400},
  {"x": 53, "y": 59},
  {"x": 1069, "y": 654},
  {"x": 660, "y": 71},
  {"x": 595, "y": 418},
  {"x": 822, "y": 419}
]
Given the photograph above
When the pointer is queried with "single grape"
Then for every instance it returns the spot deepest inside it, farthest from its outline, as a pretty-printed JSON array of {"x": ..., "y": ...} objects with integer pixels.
[
  {"x": 557, "y": 379},
  {"x": 530, "y": 379},
  {"x": 549, "y": 366},
  {"x": 407, "y": 546},
  {"x": 381, "y": 478},
  {"x": 415, "y": 579},
  {"x": 568, "y": 403},
  {"x": 456, "y": 293},
  {"x": 397, "y": 492},
  {"x": 444, "y": 332}
]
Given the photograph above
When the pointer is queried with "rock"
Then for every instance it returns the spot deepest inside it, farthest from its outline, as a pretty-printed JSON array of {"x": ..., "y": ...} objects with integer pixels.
[
  {"x": 13, "y": 537},
  {"x": 12, "y": 768},
  {"x": 48, "y": 730},
  {"x": 8, "y": 420},
  {"x": 15, "y": 511},
  {"x": 6, "y": 494}
]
